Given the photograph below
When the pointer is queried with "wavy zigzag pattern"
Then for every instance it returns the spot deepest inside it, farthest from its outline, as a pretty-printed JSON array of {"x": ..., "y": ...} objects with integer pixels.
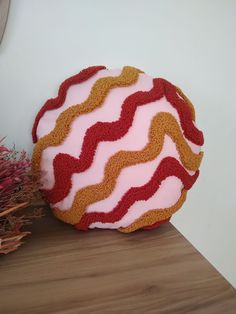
[
  {"x": 64, "y": 165},
  {"x": 112, "y": 131},
  {"x": 162, "y": 124},
  {"x": 186, "y": 113},
  {"x": 169, "y": 166},
  {"x": 154, "y": 216},
  {"x": 55, "y": 103},
  {"x": 98, "y": 93},
  {"x": 106, "y": 131}
]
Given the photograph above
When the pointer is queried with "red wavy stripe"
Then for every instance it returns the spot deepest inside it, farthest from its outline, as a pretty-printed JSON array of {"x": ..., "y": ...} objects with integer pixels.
[
  {"x": 65, "y": 165},
  {"x": 169, "y": 166},
  {"x": 189, "y": 129},
  {"x": 156, "y": 224},
  {"x": 57, "y": 102}
]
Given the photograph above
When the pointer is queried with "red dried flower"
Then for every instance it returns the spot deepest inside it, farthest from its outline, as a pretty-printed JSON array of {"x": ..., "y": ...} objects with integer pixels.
[{"x": 18, "y": 189}]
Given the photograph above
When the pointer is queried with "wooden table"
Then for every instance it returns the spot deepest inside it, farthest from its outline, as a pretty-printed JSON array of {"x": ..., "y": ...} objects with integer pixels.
[{"x": 61, "y": 270}]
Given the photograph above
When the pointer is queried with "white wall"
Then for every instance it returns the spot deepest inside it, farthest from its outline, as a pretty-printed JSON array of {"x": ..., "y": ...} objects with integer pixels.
[{"x": 191, "y": 43}]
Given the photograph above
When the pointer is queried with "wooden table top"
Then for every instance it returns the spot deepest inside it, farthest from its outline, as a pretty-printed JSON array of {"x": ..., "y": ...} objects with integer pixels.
[{"x": 61, "y": 270}]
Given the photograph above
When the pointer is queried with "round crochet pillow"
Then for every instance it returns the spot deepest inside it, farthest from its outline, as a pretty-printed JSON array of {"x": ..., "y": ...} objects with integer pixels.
[{"x": 116, "y": 149}]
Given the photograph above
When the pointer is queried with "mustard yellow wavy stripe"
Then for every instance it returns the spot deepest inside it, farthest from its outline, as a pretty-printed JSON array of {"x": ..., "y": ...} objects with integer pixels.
[
  {"x": 98, "y": 93},
  {"x": 190, "y": 104},
  {"x": 155, "y": 215},
  {"x": 162, "y": 123}
]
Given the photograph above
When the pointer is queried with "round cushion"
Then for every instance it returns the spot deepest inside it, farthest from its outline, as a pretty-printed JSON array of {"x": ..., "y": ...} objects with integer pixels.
[{"x": 116, "y": 149}]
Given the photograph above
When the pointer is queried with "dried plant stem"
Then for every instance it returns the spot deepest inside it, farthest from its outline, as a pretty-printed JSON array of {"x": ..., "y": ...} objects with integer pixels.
[
  {"x": 12, "y": 209},
  {"x": 18, "y": 190},
  {"x": 12, "y": 242}
]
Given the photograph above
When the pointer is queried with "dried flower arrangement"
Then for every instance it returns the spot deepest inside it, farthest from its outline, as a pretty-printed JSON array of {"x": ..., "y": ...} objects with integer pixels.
[{"x": 18, "y": 190}]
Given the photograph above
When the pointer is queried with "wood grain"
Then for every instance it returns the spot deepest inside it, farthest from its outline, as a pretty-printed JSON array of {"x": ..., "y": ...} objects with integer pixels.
[{"x": 61, "y": 270}]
